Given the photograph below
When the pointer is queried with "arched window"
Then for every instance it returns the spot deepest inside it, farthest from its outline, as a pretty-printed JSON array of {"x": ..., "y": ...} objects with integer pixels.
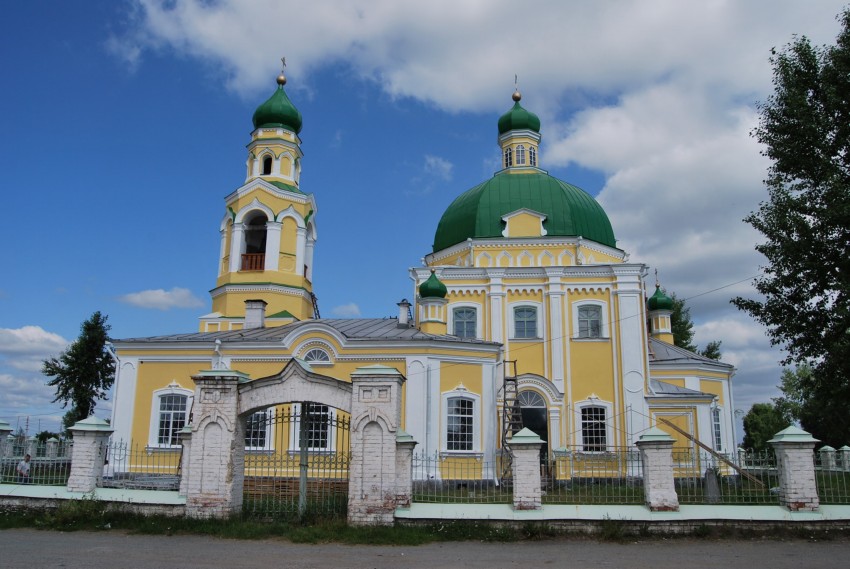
[
  {"x": 254, "y": 258},
  {"x": 464, "y": 322},
  {"x": 520, "y": 155},
  {"x": 267, "y": 165},
  {"x": 509, "y": 157},
  {"x": 169, "y": 412},
  {"x": 316, "y": 355},
  {"x": 528, "y": 398},
  {"x": 532, "y": 156},
  {"x": 525, "y": 322}
]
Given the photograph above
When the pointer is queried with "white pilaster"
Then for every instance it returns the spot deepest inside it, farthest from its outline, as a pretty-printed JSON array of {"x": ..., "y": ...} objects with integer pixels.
[
  {"x": 272, "y": 245},
  {"x": 236, "y": 245},
  {"x": 300, "y": 247},
  {"x": 124, "y": 398}
]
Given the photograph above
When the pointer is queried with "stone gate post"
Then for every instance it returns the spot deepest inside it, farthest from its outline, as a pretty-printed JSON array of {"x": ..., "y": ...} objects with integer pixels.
[
  {"x": 795, "y": 458},
  {"x": 525, "y": 466},
  {"x": 375, "y": 419},
  {"x": 5, "y": 434},
  {"x": 404, "y": 468},
  {"x": 656, "y": 453},
  {"x": 216, "y": 464},
  {"x": 90, "y": 437}
]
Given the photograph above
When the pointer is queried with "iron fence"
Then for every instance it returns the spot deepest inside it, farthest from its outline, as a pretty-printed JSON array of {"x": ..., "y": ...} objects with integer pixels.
[
  {"x": 49, "y": 464},
  {"x": 749, "y": 477},
  {"x": 832, "y": 476},
  {"x": 575, "y": 476},
  {"x": 461, "y": 478},
  {"x": 297, "y": 462},
  {"x": 139, "y": 467}
]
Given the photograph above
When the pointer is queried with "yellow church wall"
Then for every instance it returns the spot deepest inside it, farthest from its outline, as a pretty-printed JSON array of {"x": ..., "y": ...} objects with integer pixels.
[
  {"x": 678, "y": 382},
  {"x": 288, "y": 236},
  {"x": 529, "y": 356},
  {"x": 233, "y": 304},
  {"x": 682, "y": 417},
  {"x": 273, "y": 201},
  {"x": 591, "y": 370},
  {"x": 714, "y": 387},
  {"x": 453, "y": 374},
  {"x": 285, "y": 165},
  {"x": 524, "y": 225},
  {"x": 152, "y": 376}
]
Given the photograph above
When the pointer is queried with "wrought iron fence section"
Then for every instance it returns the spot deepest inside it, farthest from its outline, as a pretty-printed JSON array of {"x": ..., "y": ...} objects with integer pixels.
[
  {"x": 49, "y": 464},
  {"x": 444, "y": 478},
  {"x": 748, "y": 477},
  {"x": 297, "y": 461},
  {"x": 832, "y": 475},
  {"x": 576, "y": 476},
  {"x": 140, "y": 467}
]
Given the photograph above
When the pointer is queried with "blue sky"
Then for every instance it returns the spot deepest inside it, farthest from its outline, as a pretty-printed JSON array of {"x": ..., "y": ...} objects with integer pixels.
[{"x": 124, "y": 125}]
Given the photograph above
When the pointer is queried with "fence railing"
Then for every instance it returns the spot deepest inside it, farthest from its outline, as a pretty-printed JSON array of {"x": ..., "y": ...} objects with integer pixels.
[
  {"x": 454, "y": 478},
  {"x": 574, "y": 476},
  {"x": 139, "y": 467},
  {"x": 702, "y": 478},
  {"x": 832, "y": 475},
  {"x": 49, "y": 464}
]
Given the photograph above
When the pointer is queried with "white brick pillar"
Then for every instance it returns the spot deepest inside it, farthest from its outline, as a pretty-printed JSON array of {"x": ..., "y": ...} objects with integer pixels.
[
  {"x": 52, "y": 447},
  {"x": 32, "y": 447},
  {"x": 404, "y": 444},
  {"x": 375, "y": 420},
  {"x": 216, "y": 466},
  {"x": 186, "y": 442},
  {"x": 525, "y": 466},
  {"x": 796, "y": 461},
  {"x": 90, "y": 439},
  {"x": 656, "y": 454},
  {"x": 5, "y": 439},
  {"x": 844, "y": 458},
  {"x": 827, "y": 457}
]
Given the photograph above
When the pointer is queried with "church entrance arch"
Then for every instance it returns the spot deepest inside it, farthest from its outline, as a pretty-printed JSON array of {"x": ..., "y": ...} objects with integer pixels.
[{"x": 535, "y": 417}]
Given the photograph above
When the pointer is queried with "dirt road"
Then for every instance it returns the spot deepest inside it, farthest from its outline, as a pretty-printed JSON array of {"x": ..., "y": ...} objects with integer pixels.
[{"x": 33, "y": 549}]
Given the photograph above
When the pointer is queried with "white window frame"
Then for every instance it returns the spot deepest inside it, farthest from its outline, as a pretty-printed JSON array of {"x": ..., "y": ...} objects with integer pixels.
[
  {"x": 295, "y": 430},
  {"x": 717, "y": 427},
  {"x": 604, "y": 331},
  {"x": 327, "y": 361},
  {"x": 461, "y": 393},
  {"x": 538, "y": 307},
  {"x": 173, "y": 388},
  {"x": 478, "y": 309},
  {"x": 532, "y": 156},
  {"x": 508, "y": 157},
  {"x": 520, "y": 155},
  {"x": 609, "y": 429},
  {"x": 269, "y": 439}
]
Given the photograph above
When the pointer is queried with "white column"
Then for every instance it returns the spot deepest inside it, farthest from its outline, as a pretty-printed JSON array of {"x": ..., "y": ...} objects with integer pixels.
[
  {"x": 236, "y": 245},
  {"x": 558, "y": 339},
  {"x": 300, "y": 247},
  {"x": 308, "y": 254},
  {"x": 222, "y": 251},
  {"x": 631, "y": 335},
  {"x": 124, "y": 398},
  {"x": 272, "y": 245}
]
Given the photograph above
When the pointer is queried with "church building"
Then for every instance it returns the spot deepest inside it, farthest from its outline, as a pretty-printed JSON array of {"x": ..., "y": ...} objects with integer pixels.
[{"x": 525, "y": 314}]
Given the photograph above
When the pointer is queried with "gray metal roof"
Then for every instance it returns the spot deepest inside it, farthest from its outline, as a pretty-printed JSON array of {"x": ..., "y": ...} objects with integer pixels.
[
  {"x": 355, "y": 329},
  {"x": 668, "y": 389},
  {"x": 662, "y": 352}
]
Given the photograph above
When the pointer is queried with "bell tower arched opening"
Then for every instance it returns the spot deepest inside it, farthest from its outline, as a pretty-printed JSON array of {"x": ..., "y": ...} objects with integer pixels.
[{"x": 254, "y": 257}]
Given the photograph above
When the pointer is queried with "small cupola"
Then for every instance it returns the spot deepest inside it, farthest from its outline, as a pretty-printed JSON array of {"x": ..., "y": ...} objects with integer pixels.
[
  {"x": 519, "y": 139},
  {"x": 278, "y": 111},
  {"x": 432, "y": 306},
  {"x": 517, "y": 118},
  {"x": 660, "y": 308},
  {"x": 433, "y": 287}
]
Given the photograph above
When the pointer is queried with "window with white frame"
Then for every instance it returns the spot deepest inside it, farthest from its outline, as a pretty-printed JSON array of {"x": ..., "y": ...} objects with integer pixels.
[
  {"x": 465, "y": 322},
  {"x": 525, "y": 322},
  {"x": 460, "y": 424},
  {"x": 594, "y": 428},
  {"x": 317, "y": 355},
  {"x": 509, "y": 157},
  {"x": 715, "y": 423},
  {"x": 173, "y": 411},
  {"x": 520, "y": 155},
  {"x": 317, "y": 421},
  {"x": 590, "y": 321},
  {"x": 532, "y": 156},
  {"x": 257, "y": 430}
]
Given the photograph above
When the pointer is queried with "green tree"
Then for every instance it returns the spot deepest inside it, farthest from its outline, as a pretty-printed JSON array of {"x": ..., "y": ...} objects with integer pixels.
[
  {"x": 761, "y": 422},
  {"x": 682, "y": 327},
  {"x": 712, "y": 350},
  {"x": 805, "y": 129},
  {"x": 84, "y": 372}
]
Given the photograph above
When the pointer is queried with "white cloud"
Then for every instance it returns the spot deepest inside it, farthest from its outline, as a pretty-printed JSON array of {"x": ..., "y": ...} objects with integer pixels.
[
  {"x": 350, "y": 310},
  {"x": 160, "y": 299},
  {"x": 27, "y": 347},
  {"x": 438, "y": 167}
]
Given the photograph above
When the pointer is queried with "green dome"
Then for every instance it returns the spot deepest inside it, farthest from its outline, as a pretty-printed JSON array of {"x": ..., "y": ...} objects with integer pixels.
[
  {"x": 659, "y": 300},
  {"x": 518, "y": 119},
  {"x": 569, "y": 210},
  {"x": 278, "y": 111},
  {"x": 433, "y": 287}
]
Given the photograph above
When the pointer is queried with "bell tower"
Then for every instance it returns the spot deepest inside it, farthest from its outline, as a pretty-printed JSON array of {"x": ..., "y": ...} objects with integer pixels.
[{"x": 268, "y": 232}]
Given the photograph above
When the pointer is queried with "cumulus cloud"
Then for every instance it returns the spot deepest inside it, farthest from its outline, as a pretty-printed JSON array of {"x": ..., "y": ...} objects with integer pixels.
[
  {"x": 350, "y": 310},
  {"x": 160, "y": 299},
  {"x": 26, "y": 348}
]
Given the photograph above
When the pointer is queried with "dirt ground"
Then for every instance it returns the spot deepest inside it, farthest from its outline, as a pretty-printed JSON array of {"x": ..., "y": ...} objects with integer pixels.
[{"x": 29, "y": 549}]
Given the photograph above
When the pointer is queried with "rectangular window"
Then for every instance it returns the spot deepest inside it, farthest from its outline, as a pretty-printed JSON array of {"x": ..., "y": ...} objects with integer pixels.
[
  {"x": 594, "y": 431},
  {"x": 459, "y": 424},
  {"x": 465, "y": 322},
  {"x": 317, "y": 420},
  {"x": 525, "y": 322},
  {"x": 715, "y": 417},
  {"x": 256, "y": 428},
  {"x": 589, "y": 322},
  {"x": 172, "y": 419}
]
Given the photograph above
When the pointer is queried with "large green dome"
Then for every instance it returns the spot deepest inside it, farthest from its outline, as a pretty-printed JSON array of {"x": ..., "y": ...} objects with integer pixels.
[
  {"x": 569, "y": 210},
  {"x": 278, "y": 111}
]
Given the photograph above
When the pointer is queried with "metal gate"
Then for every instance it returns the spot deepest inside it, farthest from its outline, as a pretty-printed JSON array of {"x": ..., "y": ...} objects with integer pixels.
[{"x": 297, "y": 459}]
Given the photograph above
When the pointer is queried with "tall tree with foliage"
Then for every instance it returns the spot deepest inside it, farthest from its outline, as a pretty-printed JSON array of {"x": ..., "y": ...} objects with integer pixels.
[
  {"x": 682, "y": 327},
  {"x": 805, "y": 129},
  {"x": 84, "y": 372},
  {"x": 761, "y": 422}
]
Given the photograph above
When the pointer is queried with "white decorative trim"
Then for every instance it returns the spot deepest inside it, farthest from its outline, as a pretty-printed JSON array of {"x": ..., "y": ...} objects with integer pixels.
[
  {"x": 255, "y": 205},
  {"x": 540, "y": 216},
  {"x": 593, "y": 401},
  {"x": 462, "y": 392},
  {"x": 479, "y": 309},
  {"x": 540, "y": 324},
  {"x": 172, "y": 388},
  {"x": 605, "y": 317}
]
